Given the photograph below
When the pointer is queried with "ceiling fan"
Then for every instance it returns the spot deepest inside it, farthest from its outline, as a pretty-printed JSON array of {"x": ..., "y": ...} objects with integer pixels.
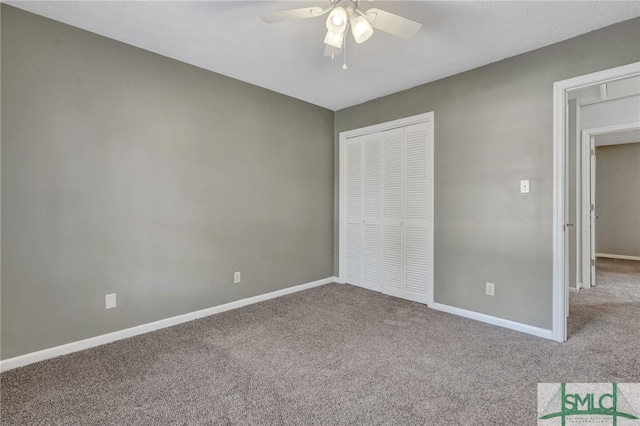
[{"x": 345, "y": 15}]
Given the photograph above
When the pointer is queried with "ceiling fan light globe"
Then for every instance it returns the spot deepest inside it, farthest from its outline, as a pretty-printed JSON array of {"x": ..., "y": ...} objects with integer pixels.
[
  {"x": 361, "y": 29},
  {"x": 334, "y": 39},
  {"x": 337, "y": 20}
]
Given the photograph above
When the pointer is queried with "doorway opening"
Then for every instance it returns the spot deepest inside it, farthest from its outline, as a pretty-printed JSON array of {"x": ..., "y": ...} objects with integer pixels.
[
  {"x": 612, "y": 190},
  {"x": 575, "y": 136}
]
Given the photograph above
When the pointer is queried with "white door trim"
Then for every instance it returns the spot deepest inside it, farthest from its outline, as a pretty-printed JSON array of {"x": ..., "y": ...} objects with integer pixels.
[
  {"x": 402, "y": 122},
  {"x": 342, "y": 232},
  {"x": 560, "y": 88}
]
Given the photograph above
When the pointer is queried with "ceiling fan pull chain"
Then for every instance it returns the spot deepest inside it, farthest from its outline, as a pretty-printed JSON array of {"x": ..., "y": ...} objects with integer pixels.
[{"x": 344, "y": 54}]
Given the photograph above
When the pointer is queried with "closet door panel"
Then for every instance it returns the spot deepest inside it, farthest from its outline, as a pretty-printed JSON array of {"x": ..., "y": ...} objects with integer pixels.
[
  {"x": 417, "y": 196},
  {"x": 354, "y": 212},
  {"x": 372, "y": 210},
  {"x": 393, "y": 200}
]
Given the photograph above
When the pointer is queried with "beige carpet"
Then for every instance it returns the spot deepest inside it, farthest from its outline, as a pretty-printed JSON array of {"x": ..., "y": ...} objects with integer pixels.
[{"x": 336, "y": 354}]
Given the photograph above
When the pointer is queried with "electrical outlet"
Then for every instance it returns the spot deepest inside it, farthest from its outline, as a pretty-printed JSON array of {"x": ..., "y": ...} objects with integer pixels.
[
  {"x": 110, "y": 301},
  {"x": 490, "y": 289},
  {"x": 236, "y": 277},
  {"x": 524, "y": 186}
]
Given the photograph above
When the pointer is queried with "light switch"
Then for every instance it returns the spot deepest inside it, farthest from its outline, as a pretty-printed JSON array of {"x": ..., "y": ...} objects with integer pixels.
[
  {"x": 524, "y": 186},
  {"x": 110, "y": 301}
]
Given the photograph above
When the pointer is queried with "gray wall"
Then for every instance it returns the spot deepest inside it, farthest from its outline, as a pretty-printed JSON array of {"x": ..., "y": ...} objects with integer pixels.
[
  {"x": 494, "y": 127},
  {"x": 124, "y": 171},
  {"x": 618, "y": 199}
]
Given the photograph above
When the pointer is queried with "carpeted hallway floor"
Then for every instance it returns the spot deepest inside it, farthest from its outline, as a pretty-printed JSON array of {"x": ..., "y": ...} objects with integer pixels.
[{"x": 336, "y": 354}]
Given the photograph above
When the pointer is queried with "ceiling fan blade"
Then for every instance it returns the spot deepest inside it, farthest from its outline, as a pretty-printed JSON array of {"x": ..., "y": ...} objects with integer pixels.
[
  {"x": 392, "y": 24},
  {"x": 291, "y": 14},
  {"x": 331, "y": 51}
]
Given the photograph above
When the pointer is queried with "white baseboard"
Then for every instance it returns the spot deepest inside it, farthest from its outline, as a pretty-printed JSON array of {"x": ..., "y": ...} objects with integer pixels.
[
  {"x": 68, "y": 348},
  {"x": 524, "y": 328},
  {"x": 618, "y": 256},
  {"x": 576, "y": 288}
]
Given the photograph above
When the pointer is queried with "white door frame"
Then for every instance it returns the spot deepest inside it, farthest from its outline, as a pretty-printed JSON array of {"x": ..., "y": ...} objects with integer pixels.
[
  {"x": 342, "y": 231},
  {"x": 560, "y": 88},
  {"x": 587, "y": 179}
]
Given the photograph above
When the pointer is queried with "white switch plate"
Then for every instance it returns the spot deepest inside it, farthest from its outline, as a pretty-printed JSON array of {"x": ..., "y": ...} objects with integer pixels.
[
  {"x": 236, "y": 277},
  {"x": 490, "y": 289},
  {"x": 110, "y": 301},
  {"x": 524, "y": 186}
]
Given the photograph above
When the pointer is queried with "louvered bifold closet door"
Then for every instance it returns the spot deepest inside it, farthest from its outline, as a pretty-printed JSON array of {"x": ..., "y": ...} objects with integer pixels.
[
  {"x": 393, "y": 212},
  {"x": 417, "y": 265},
  {"x": 364, "y": 210},
  {"x": 389, "y": 211}
]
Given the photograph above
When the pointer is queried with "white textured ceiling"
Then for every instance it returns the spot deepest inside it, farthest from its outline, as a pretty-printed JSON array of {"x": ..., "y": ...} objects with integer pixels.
[{"x": 228, "y": 37}]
